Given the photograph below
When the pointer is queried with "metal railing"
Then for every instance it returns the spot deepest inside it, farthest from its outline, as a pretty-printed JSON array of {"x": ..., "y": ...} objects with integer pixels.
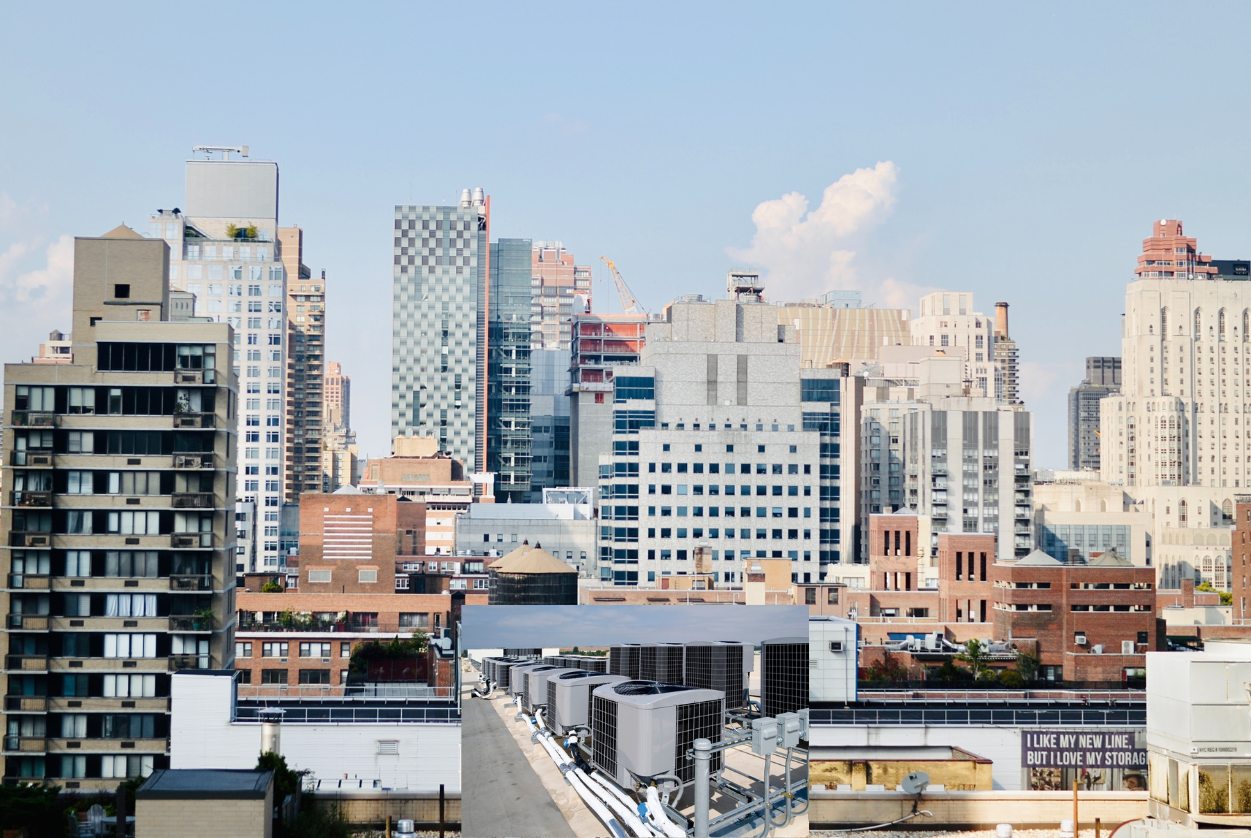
[
  {"x": 192, "y": 500},
  {"x": 180, "y": 662},
  {"x": 191, "y": 582},
  {"x": 995, "y": 716},
  {"x": 395, "y": 692},
  {"x": 194, "y": 420},
  {"x": 1092, "y": 696},
  {"x": 31, "y": 499},
  {"x": 33, "y": 419},
  {"x": 190, "y": 623},
  {"x": 357, "y": 715},
  {"x": 191, "y": 539}
]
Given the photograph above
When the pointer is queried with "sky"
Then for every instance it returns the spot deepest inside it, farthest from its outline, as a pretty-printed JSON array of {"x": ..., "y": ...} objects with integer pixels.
[
  {"x": 1017, "y": 151},
  {"x": 548, "y": 626}
]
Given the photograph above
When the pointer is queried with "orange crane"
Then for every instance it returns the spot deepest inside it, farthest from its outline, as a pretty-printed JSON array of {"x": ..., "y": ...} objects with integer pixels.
[{"x": 628, "y": 303}]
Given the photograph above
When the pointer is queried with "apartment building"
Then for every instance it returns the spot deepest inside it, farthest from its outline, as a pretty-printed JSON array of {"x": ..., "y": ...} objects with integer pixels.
[
  {"x": 306, "y": 358},
  {"x": 560, "y": 289},
  {"x": 117, "y": 531},
  {"x": 949, "y": 322},
  {"x": 439, "y": 322},
  {"x": 1007, "y": 362},
  {"x": 423, "y": 475},
  {"x": 225, "y": 251},
  {"x": 1186, "y": 353},
  {"x": 1103, "y": 379},
  {"x": 719, "y": 391}
]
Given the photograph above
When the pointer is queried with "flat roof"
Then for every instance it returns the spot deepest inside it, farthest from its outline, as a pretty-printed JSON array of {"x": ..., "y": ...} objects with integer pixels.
[{"x": 205, "y": 783}]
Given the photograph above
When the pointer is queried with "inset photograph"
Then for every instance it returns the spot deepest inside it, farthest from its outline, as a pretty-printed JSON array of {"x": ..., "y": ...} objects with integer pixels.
[{"x": 635, "y": 721}]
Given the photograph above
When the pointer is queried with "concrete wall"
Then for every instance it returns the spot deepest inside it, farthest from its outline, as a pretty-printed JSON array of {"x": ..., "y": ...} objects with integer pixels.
[{"x": 983, "y": 809}]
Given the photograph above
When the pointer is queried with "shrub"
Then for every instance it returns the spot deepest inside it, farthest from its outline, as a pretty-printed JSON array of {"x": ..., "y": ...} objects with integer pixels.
[{"x": 1011, "y": 678}]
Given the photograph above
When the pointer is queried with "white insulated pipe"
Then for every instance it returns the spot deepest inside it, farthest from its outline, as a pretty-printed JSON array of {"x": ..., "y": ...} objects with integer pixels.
[{"x": 659, "y": 820}]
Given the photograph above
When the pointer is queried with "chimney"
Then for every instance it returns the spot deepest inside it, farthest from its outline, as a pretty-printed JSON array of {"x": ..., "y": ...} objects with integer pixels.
[
  {"x": 1001, "y": 320},
  {"x": 271, "y": 730}
]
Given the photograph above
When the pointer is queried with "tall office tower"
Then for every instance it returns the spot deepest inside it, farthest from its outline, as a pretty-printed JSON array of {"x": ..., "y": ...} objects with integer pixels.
[
  {"x": 602, "y": 345},
  {"x": 1103, "y": 378},
  {"x": 117, "y": 535},
  {"x": 508, "y": 371},
  {"x": 439, "y": 321},
  {"x": 338, "y": 397},
  {"x": 549, "y": 421},
  {"x": 1007, "y": 388},
  {"x": 1180, "y": 418},
  {"x": 306, "y": 352},
  {"x": 224, "y": 250},
  {"x": 560, "y": 290},
  {"x": 721, "y": 442},
  {"x": 949, "y": 323},
  {"x": 969, "y": 469}
]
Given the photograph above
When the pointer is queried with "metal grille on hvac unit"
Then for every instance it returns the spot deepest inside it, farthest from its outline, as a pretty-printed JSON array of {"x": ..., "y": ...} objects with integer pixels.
[
  {"x": 783, "y": 675},
  {"x": 523, "y": 653},
  {"x": 624, "y": 660},
  {"x": 663, "y": 662},
  {"x": 717, "y": 666},
  {"x": 604, "y": 734},
  {"x": 593, "y": 664},
  {"x": 569, "y": 697},
  {"x": 529, "y": 682},
  {"x": 701, "y": 720}
]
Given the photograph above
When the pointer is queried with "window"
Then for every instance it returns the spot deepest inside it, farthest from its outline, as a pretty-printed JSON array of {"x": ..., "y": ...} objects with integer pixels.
[
  {"x": 314, "y": 650},
  {"x": 121, "y": 292},
  {"x": 243, "y": 649},
  {"x": 130, "y": 645},
  {"x": 367, "y": 576},
  {"x": 315, "y": 676},
  {"x": 345, "y": 649},
  {"x": 274, "y": 676},
  {"x": 414, "y": 620},
  {"x": 273, "y": 650}
]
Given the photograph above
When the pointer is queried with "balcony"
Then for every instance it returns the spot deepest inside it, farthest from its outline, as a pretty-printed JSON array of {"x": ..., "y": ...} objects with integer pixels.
[
  {"x": 25, "y": 744},
  {"x": 192, "y": 500},
  {"x": 191, "y": 540},
  {"x": 33, "y": 419},
  {"x": 191, "y": 582},
  {"x": 190, "y": 622},
  {"x": 26, "y": 703},
  {"x": 194, "y": 420},
  {"x": 180, "y": 662},
  {"x": 38, "y": 500},
  {"x": 196, "y": 461},
  {"x": 31, "y": 458},
  {"x": 28, "y": 581},
  {"x": 29, "y": 622},
  {"x": 30, "y": 539},
  {"x": 26, "y": 663}
]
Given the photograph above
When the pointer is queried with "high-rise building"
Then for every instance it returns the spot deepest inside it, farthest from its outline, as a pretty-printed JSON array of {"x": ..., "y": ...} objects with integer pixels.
[
  {"x": 560, "y": 290},
  {"x": 225, "y": 250},
  {"x": 439, "y": 320},
  {"x": 1180, "y": 418},
  {"x": 1007, "y": 386},
  {"x": 602, "y": 344},
  {"x": 949, "y": 323},
  {"x": 721, "y": 442},
  {"x": 837, "y": 328},
  {"x": 339, "y": 461},
  {"x": 549, "y": 421},
  {"x": 508, "y": 369},
  {"x": 1103, "y": 378},
  {"x": 306, "y": 353},
  {"x": 117, "y": 536},
  {"x": 338, "y": 397}
]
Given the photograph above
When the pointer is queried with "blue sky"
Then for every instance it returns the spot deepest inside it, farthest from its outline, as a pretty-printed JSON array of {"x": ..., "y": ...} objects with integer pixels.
[
  {"x": 516, "y": 626},
  {"x": 1018, "y": 151}
]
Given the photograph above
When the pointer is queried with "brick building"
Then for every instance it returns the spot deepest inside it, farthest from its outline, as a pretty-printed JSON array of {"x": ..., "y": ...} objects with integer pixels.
[
  {"x": 965, "y": 570},
  {"x": 894, "y": 545},
  {"x": 1240, "y": 573},
  {"x": 349, "y": 541},
  {"x": 1092, "y": 622}
]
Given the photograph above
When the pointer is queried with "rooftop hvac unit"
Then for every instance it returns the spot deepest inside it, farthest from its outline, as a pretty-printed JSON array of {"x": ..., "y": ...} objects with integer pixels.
[
  {"x": 717, "y": 666},
  {"x": 523, "y": 653},
  {"x": 623, "y": 659},
  {"x": 497, "y": 670},
  {"x": 569, "y": 698},
  {"x": 749, "y": 656},
  {"x": 644, "y": 729},
  {"x": 517, "y": 677},
  {"x": 591, "y": 664},
  {"x": 663, "y": 662},
  {"x": 528, "y": 684},
  {"x": 783, "y": 675},
  {"x": 536, "y": 685},
  {"x": 832, "y": 659}
]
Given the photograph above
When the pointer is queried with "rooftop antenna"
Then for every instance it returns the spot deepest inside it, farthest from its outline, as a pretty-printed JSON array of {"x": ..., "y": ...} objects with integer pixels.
[{"x": 225, "y": 150}]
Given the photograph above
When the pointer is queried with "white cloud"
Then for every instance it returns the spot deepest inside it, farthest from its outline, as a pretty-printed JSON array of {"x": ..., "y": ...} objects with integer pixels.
[
  {"x": 807, "y": 253},
  {"x": 36, "y": 281}
]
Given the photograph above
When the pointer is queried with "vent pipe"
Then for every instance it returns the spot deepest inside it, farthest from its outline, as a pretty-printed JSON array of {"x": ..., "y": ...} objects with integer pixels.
[{"x": 271, "y": 730}]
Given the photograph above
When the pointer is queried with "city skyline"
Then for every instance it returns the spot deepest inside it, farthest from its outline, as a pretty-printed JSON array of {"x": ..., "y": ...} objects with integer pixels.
[{"x": 927, "y": 159}]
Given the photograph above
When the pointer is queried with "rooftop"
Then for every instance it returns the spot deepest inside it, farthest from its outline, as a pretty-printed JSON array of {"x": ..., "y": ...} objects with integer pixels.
[{"x": 213, "y": 783}]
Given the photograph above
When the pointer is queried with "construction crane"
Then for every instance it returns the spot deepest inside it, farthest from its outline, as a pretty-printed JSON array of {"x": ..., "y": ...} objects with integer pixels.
[{"x": 628, "y": 303}]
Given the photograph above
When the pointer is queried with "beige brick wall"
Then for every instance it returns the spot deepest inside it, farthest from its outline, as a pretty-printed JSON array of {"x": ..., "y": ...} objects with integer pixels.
[{"x": 204, "y": 818}]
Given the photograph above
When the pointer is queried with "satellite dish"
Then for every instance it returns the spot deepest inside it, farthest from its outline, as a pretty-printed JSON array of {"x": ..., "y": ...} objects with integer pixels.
[{"x": 915, "y": 782}]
